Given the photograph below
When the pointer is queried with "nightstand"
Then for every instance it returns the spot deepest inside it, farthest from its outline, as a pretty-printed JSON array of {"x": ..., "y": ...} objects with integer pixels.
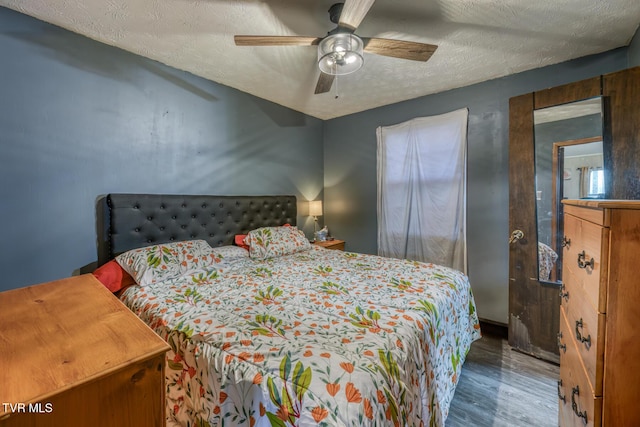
[
  {"x": 74, "y": 355},
  {"x": 331, "y": 244}
]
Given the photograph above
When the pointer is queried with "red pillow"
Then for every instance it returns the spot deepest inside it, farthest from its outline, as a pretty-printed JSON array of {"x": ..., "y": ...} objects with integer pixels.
[
  {"x": 113, "y": 277},
  {"x": 239, "y": 241}
]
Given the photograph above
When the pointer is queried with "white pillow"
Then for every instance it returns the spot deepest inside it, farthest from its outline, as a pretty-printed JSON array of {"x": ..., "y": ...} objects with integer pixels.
[
  {"x": 231, "y": 253},
  {"x": 269, "y": 242},
  {"x": 157, "y": 263}
]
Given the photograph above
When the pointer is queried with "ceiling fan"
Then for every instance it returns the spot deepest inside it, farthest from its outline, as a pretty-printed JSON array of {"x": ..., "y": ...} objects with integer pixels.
[{"x": 341, "y": 50}]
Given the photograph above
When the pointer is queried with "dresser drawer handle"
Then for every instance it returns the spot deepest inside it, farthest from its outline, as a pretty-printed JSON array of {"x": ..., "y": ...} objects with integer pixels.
[
  {"x": 575, "y": 391},
  {"x": 565, "y": 242},
  {"x": 561, "y": 346},
  {"x": 560, "y": 395},
  {"x": 564, "y": 294},
  {"x": 586, "y": 341},
  {"x": 581, "y": 261}
]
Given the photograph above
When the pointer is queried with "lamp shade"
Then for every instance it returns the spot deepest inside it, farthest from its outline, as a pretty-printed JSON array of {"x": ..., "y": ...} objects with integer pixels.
[
  {"x": 340, "y": 54},
  {"x": 315, "y": 208}
]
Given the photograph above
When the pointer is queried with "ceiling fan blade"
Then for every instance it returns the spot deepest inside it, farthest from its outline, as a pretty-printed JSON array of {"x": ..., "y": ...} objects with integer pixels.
[
  {"x": 353, "y": 12},
  {"x": 276, "y": 40},
  {"x": 324, "y": 83},
  {"x": 399, "y": 48}
]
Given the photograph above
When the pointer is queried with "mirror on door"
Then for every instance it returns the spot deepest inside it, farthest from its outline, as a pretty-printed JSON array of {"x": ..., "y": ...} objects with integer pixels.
[{"x": 568, "y": 164}]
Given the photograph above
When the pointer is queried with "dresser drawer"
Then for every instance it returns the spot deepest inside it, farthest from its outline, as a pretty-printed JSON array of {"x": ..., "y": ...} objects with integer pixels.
[
  {"x": 585, "y": 257},
  {"x": 596, "y": 215},
  {"x": 587, "y": 332},
  {"x": 578, "y": 406}
]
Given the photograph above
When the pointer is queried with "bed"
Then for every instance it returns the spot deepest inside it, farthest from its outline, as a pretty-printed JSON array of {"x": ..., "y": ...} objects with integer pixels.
[{"x": 286, "y": 333}]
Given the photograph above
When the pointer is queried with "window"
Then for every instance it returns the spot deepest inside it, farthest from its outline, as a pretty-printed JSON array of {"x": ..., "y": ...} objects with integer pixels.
[
  {"x": 596, "y": 183},
  {"x": 422, "y": 189}
]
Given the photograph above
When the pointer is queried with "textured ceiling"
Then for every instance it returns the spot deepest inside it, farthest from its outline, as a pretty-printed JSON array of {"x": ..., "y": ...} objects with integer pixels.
[
  {"x": 477, "y": 40},
  {"x": 568, "y": 111}
]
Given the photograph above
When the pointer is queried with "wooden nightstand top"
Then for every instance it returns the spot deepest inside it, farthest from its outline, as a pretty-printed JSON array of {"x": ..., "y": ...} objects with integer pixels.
[
  {"x": 61, "y": 334},
  {"x": 331, "y": 244}
]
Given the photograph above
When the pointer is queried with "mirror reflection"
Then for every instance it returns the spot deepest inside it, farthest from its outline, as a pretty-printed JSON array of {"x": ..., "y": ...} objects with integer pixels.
[{"x": 568, "y": 164}]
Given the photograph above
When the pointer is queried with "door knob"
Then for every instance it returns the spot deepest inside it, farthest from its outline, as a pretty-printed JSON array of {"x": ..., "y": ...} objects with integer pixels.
[{"x": 516, "y": 235}]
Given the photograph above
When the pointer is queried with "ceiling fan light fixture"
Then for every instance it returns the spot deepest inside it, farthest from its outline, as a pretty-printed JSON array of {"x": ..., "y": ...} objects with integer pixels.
[{"x": 340, "y": 54}]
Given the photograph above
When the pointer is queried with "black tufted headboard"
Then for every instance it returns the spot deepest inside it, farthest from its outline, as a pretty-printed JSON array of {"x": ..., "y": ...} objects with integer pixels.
[{"x": 137, "y": 220}]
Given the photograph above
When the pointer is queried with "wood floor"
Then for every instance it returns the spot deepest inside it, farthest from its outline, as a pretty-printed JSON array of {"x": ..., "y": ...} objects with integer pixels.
[{"x": 500, "y": 387}]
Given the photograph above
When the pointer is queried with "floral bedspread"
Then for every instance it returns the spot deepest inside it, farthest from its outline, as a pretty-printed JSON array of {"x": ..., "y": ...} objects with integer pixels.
[{"x": 319, "y": 337}]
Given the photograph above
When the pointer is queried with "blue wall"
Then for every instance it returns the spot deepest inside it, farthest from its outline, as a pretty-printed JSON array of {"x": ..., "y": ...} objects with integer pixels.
[
  {"x": 350, "y": 168},
  {"x": 79, "y": 119}
]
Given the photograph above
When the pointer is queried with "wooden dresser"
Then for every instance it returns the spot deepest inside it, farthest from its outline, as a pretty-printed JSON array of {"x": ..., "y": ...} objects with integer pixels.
[
  {"x": 71, "y": 354},
  {"x": 599, "y": 336}
]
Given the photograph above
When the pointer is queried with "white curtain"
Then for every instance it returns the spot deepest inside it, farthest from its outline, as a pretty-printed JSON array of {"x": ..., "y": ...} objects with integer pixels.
[
  {"x": 583, "y": 187},
  {"x": 422, "y": 189}
]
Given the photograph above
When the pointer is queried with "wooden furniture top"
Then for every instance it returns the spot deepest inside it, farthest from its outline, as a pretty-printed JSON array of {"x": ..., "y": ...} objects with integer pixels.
[
  {"x": 603, "y": 203},
  {"x": 327, "y": 243},
  {"x": 58, "y": 335}
]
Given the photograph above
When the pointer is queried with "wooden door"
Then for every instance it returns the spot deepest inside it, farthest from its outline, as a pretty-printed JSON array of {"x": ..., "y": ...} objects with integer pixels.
[
  {"x": 534, "y": 307},
  {"x": 622, "y": 133}
]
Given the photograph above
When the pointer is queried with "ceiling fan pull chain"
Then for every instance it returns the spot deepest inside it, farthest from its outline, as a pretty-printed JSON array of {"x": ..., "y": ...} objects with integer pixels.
[{"x": 336, "y": 88}]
